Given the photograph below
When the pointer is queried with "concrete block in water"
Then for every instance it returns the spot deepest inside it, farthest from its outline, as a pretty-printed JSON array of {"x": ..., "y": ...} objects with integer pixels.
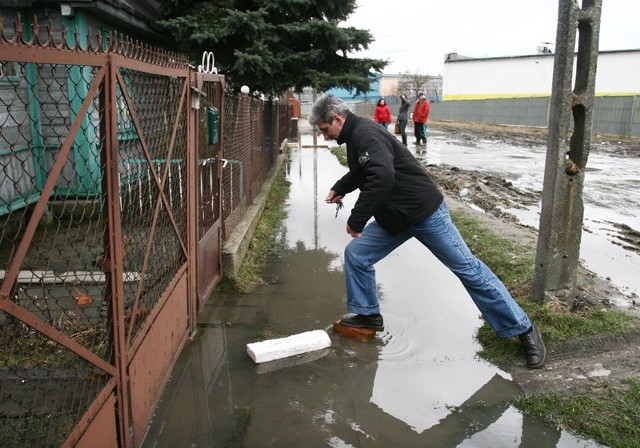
[
  {"x": 291, "y": 345},
  {"x": 291, "y": 361}
]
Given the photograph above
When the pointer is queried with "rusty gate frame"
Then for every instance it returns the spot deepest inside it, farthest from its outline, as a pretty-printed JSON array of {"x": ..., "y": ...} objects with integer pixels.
[
  {"x": 210, "y": 87},
  {"x": 125, "y": 404}
]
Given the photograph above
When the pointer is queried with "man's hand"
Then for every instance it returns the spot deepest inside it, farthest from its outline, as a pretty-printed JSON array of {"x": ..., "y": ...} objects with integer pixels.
[
  {"x": 333, "y": 198},
  {"x": 353, "y": 233}
]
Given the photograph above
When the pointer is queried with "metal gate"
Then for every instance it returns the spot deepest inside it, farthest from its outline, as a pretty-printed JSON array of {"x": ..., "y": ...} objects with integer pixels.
[
  {"x": 103, "y": 184},
  {"x": 207, "y": 91}
]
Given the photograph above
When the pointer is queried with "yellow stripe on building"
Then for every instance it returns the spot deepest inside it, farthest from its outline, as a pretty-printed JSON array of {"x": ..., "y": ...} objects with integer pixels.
[{"x": 494, "y": 96}]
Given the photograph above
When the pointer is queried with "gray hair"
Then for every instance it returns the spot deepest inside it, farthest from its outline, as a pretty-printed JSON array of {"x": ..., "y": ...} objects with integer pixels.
[{"x": 325, "y": 108}]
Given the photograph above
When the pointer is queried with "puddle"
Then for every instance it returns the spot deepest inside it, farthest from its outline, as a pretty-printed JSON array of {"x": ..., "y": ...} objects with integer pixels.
[
  {"x": 419, "y": 383},
  {"x": 611, "y": 198}
]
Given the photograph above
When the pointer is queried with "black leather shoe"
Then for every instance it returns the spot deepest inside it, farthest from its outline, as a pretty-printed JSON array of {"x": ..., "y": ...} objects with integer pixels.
[
  {"x": 534, "y": 350},
  {"x": 363, "y": 321}
]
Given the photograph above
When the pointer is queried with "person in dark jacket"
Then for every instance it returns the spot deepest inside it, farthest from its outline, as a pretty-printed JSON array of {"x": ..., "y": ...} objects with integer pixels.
[
  {"x": 403, "y": 117},
  {"x": 397, "y": 191}
]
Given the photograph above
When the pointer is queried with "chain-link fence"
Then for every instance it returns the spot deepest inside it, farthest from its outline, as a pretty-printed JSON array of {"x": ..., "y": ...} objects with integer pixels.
[
  {"x": 253, "y": 131},
  {"x": 98, "y": 222},
  {"x": 54, "y": 251}
]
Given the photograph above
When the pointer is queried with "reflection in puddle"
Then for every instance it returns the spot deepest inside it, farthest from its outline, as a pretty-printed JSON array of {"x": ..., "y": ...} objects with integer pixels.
[{"x": 418, "y": 384}]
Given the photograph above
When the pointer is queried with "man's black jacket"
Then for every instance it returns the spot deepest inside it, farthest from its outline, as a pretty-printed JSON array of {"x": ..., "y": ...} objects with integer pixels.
[{"x": 394, "y": 188}]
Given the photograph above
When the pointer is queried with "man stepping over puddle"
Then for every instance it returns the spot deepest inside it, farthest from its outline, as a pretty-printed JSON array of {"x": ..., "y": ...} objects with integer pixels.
[{"x": 406, "y": 203}]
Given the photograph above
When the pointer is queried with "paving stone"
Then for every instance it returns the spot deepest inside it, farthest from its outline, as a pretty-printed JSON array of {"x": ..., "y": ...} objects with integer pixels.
[{"x": 359, "y": 334}]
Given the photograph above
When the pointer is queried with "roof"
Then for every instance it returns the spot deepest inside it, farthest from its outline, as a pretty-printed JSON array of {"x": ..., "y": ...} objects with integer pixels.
[
  {"x": 457, "y": 58},
  {"x": 139, "y": 14},
  {"x": 147, "y": 10}
]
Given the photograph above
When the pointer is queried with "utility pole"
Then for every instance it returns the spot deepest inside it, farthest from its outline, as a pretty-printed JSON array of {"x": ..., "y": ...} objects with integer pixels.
[{"x": 562, "y": 211}]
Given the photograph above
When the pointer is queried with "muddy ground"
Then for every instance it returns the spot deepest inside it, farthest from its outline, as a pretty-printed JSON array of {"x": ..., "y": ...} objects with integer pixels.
[{"x": 577, "y": 366}]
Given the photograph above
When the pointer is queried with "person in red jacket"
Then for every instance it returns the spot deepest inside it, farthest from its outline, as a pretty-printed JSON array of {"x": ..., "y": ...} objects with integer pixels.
[
  {"x": 382, "y": 114},
  {"x": 420, "y": 116}
]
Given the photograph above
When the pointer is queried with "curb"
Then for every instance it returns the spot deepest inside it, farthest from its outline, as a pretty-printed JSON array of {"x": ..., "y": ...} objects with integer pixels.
[{"x": 236, "y": 245}]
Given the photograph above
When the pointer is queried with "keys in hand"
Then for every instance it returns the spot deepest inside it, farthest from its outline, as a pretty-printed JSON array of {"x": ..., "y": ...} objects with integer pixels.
[{"x": 338, "y": 207}]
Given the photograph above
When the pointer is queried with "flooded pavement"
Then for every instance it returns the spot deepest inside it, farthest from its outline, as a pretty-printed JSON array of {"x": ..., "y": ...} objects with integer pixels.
[{"x": 418, "y": 384}]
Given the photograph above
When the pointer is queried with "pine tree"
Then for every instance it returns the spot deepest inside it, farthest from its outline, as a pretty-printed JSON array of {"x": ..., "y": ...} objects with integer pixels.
[{"x": 274, "y": 45}]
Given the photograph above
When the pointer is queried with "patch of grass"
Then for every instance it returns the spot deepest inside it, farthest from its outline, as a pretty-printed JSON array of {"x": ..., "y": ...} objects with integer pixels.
[
  {"x": 611, "y": 417},
  {"x": 24, "y": 348},
  {"x": 264, "y": 244},
  {"x": 557, "y": 326},
  {"x": 341, "y": 154},
  {"x": 36, "y": 430},
  {"x": 513, "y": 264}
]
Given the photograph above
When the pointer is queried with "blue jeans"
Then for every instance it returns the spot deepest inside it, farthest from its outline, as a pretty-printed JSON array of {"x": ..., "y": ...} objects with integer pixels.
[{"x": 438, "y": 233}]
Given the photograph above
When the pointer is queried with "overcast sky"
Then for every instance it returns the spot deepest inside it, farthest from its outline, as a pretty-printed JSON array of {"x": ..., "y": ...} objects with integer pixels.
[{"x": 416, "y": 34}]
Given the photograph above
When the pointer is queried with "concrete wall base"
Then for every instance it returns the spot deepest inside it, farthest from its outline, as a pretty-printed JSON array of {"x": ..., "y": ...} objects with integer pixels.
[{"x": 236, "y": 245}]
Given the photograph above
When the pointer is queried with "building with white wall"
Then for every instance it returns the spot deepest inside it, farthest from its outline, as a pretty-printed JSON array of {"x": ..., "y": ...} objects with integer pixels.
[{"x": 531, "y": 76}]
